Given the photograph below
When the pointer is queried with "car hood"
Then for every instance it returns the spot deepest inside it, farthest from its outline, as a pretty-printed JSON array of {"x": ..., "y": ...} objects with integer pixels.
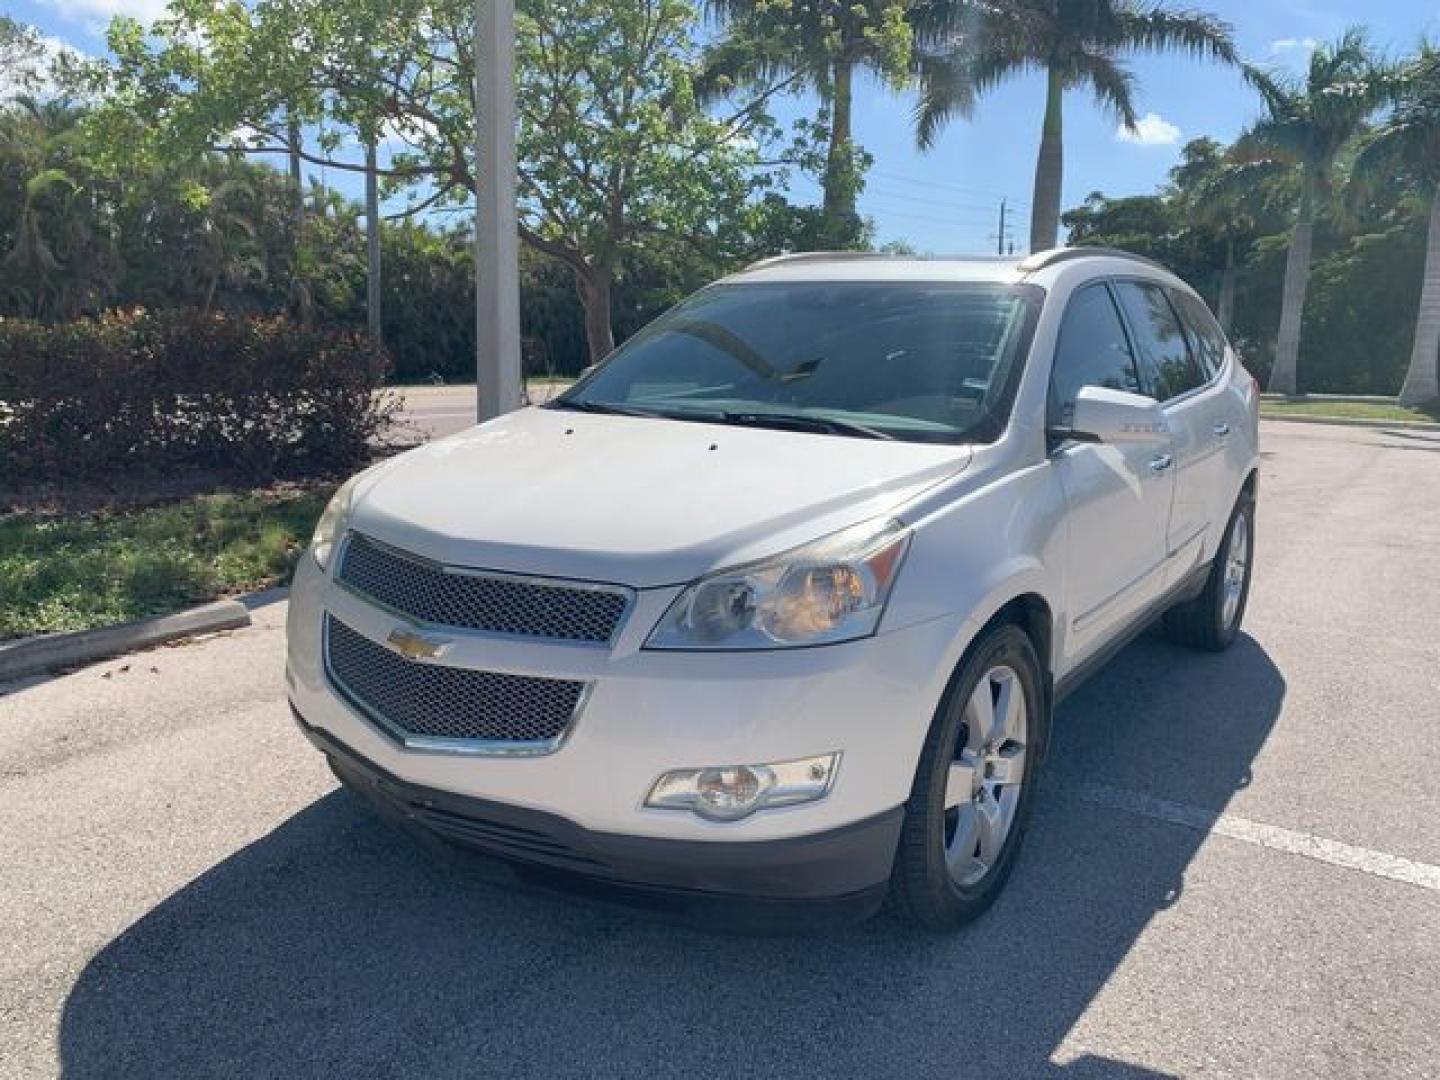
[{"x": 635, "y": 501}]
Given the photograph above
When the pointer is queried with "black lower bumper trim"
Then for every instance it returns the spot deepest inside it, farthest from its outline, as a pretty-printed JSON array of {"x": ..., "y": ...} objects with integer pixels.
[{"x": 848, "y": 868}]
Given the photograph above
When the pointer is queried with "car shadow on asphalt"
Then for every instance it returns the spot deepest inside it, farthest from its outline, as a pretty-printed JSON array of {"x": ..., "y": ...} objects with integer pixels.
[{"x": 336, "y": 946}]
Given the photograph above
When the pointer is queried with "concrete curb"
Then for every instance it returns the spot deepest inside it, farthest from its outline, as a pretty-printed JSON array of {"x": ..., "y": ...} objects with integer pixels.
[
  {"x": 1353, "y": 421},
  {"x": 30, "y": 656}
]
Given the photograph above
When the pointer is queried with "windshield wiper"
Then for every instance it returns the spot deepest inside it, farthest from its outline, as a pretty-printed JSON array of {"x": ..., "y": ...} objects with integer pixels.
[
  {"x": 803, "y": 422},
  {"x": 603, "y": 408}
]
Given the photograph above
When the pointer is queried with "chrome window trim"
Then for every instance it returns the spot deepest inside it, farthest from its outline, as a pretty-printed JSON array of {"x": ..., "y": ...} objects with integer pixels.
[
  {"x": 627, "y": 594},
  {"x": 431, "y": 744}
]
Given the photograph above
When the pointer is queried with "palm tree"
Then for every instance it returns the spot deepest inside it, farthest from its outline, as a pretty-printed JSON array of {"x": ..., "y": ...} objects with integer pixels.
[
  {"x": 967, "y": 47},
  {"x": 55, "y": 265},
  {"x": 817, "y": 45},
  {"x": 1408, "y": 144},
  {"x": 1308, "y": 123},
  {"x": 1217, "y": 196}
]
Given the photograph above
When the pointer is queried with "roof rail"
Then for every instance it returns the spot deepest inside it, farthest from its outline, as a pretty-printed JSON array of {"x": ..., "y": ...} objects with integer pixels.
[
  {"x": 807, "y": 256},
  {"x": 1041, "y": 259},
  {"x": 858, "y": 256}
]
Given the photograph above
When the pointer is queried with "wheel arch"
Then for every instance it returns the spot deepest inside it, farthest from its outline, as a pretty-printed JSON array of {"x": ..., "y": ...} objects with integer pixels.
[
  {"x": 1250, "y": 488},
  {"x": 1030, "y": 611}
]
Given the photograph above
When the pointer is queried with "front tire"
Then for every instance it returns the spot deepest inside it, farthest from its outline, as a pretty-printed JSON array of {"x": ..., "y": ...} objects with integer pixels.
[
  {"x": 1212, "y": 620},
  {"x": 974, "y": 786}
]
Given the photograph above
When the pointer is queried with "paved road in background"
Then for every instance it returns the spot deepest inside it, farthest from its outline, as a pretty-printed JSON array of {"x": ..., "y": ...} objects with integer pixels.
[
  {"x": 429, "y": 412},
  {"x": 1232, "y": 871}
]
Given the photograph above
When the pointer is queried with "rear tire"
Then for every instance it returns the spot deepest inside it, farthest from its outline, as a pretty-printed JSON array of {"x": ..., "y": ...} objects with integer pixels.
[
  {"x": 1212, "y": 620},
  {"x": 974, "y": 786}
]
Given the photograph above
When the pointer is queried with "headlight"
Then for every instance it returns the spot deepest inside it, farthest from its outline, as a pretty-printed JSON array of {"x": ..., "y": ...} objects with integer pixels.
[
  {"x": 332, "y": 523},
  {"x": 832, "y": 590},
  {"x": 735, "y": 792}
]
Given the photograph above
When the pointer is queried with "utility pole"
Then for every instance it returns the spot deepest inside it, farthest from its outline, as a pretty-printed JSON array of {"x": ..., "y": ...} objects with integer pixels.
[
  {"x": 372, "y": 238},
  {"x": 1000, "y": 236},
  {"x": 497, "y": 266}
]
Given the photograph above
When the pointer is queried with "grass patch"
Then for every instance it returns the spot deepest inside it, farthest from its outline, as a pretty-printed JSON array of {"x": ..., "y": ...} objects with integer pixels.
[
  {"x": 78, "y": 571},
  {"x": 1347, "y": 410}
]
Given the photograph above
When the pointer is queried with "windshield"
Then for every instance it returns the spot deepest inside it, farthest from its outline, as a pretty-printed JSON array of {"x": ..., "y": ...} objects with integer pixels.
[{"x": 917, "y": 361}]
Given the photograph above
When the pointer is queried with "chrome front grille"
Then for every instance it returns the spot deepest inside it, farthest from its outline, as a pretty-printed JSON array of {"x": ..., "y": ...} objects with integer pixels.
[
  {"x": 428, "y": 592},
  {"x": 430, "y": 706}
]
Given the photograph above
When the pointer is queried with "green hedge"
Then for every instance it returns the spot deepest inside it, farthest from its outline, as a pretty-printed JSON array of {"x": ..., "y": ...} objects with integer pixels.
[{"x": 137, "y": 392}]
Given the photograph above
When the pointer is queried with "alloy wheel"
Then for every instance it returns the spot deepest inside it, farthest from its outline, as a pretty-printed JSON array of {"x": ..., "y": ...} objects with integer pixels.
[
  {"x": 982, "y": 790},
  {"x": 1237, "y": 569}
]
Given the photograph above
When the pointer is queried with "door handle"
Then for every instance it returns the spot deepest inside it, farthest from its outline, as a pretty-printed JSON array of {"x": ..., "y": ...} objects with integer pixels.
[
  {"x": 1221, "y": 430},
  {"x": 1161, "y": 462}
]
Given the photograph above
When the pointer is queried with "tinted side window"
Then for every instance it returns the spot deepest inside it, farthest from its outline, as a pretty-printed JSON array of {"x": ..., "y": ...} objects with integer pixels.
[
  {"x": 1206, "y": 337},
  {"x": 1161, "y": 340},
  {"x": 1092, "y": 350}
]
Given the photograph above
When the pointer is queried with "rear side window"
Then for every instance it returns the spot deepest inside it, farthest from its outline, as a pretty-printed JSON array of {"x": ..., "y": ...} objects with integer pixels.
[
  {"x": 1170, "y": 366},
  {"x": 1092, "y": 350},
  {"x": 1206, "y": 337}
]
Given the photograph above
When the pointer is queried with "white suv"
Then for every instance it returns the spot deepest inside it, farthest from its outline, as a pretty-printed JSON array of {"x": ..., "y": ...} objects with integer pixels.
[{"x": 775, "y": 604}]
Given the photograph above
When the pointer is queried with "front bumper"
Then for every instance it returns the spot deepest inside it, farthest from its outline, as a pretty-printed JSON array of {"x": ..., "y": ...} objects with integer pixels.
[
  {"x": 849, "y": 865},
  {"x": 651, "y": 712}
]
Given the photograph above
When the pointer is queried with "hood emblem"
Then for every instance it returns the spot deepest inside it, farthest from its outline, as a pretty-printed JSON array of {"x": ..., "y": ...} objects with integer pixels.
[{"x": 415, "y": 646}]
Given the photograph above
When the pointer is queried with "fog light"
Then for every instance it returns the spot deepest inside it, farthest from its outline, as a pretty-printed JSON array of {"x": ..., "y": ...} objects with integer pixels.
[{"x": 732, "y": 792}]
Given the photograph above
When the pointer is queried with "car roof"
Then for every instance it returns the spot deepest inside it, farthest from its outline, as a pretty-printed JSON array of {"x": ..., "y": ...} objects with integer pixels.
[{"x": 1046, "y": 268}]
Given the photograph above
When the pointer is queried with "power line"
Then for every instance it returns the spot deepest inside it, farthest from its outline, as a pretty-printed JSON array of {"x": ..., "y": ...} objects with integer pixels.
[
  {"x": 931, "y": 200},
  {"x": 989, "y": 196}
]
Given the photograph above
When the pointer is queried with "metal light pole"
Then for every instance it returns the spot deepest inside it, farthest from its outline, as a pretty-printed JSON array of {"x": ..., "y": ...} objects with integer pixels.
[
  {"x": 497, "y": 268},
  {"x": 372, "y": 239}
]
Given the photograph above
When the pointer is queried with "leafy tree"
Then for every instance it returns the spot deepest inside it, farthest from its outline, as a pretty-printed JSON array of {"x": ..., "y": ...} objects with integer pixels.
[
  {"x": 21, "y": 56},
  {"x": 1221, "y": 199},
  {"x": 817, "y": 45},
  {"x": 55, "y": 261},
  {"x": 1309, "y": 122},
  {"x": 1407, "y": 144},
  {"x": 968, "y": 47},
  {"x": 614, "y": 145}
]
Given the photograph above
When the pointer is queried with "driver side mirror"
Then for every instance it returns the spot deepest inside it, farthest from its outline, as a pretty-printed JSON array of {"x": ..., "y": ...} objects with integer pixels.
[{"x": 1117, "y": 417}]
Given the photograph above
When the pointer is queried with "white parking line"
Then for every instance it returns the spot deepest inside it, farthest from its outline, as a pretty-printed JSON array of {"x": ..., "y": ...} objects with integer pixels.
[{"x": 1376, "y": 863}]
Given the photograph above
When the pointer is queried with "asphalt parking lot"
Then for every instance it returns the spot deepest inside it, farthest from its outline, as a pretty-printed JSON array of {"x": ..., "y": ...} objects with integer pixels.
[{"x": 1234, "y": 870}]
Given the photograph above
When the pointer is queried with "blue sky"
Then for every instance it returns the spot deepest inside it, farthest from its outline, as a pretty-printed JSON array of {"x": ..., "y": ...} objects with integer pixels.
[{"x": 947, "y": 200}]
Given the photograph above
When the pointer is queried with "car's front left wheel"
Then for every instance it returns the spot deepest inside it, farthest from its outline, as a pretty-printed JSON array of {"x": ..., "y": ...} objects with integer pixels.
[{"x": 973, "y": 789}]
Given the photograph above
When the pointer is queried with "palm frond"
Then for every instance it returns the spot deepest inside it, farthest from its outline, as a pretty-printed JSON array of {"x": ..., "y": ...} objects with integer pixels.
[
  {"x": 1112, "y": 84},
  {"x": 1161, "y": 29},
  {"x": 1408, "y": 140},
  {"x": 1272, "y": 139},
  {"x": 1279, "y": 91},
  {"x": 952, "y": 83}
]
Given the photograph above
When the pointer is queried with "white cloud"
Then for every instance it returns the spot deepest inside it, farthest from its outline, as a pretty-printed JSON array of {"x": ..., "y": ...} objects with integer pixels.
[
  {"x": 1285, "y": 46},
  {"x": 1152, "y": 129},
  {"x": 95, "y": 15}
]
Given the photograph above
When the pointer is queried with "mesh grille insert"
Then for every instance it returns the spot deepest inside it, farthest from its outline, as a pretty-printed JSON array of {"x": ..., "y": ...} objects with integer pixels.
[
  {"x": 431, "y": 701},
  {"x": 429, "y": 593}
]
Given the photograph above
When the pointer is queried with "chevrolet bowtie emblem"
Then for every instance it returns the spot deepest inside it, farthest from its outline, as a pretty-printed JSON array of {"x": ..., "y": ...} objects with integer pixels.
[{"x": 415, "y": 646}]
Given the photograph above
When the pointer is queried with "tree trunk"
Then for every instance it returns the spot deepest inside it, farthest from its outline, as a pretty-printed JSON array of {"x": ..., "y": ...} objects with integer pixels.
[
  {"x": 1049, "y": 168},
  {"x": 593, "y": 285},
  {"x": 1422, "y": 381},
  {"x": 1225, "y": 311},
  {"x": 297, "y": 190},
  {"x": 839, "y": 179},
  {"x": 372, "y": 242},
  {"x": 1297, "y": 284}
]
